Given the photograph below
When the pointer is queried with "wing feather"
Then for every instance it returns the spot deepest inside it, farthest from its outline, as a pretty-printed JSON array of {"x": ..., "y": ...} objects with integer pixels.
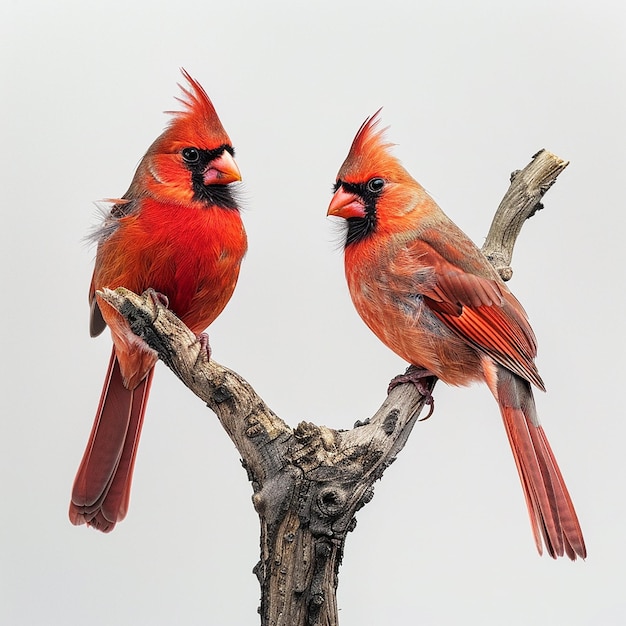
[{"x": 464, "y": 292}]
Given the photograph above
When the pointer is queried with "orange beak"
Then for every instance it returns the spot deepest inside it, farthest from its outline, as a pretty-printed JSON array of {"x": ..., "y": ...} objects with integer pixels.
[
  {"x": 346, "y": 205},
  {"x": 222, "y": 170}
]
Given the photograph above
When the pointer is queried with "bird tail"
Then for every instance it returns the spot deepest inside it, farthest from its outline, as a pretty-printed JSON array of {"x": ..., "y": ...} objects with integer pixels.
[
  {"x": 101, "y": 489},
  {"x": 552, "y": 514}
]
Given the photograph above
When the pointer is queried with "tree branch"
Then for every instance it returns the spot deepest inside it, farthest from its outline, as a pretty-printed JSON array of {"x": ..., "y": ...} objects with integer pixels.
[
  {"x": 310, "y": 481},
  {"x": 521, "y": 202}
]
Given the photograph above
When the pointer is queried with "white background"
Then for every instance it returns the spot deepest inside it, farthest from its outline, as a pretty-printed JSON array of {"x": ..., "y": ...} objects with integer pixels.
[{"x": 471, "y": 91}]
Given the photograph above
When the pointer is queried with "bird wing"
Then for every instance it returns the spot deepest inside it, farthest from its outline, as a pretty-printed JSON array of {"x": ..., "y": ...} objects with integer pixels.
[
  {"x": 464, "y": 292},
  {"x": 111, "y": 220}
]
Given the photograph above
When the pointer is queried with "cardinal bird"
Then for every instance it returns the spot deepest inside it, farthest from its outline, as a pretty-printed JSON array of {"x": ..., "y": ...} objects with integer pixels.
[
  {"x": 429, "y": 294},
  {"x": 178, "y": 231}
]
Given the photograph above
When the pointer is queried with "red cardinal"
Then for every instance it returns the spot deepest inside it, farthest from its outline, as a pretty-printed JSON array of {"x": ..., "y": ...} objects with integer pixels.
[
  {"x": 178, "y": 231},
  {"x": 430, "y": 295}
]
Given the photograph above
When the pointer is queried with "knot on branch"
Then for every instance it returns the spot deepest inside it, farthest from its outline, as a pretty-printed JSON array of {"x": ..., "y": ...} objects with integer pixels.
[
  {"x": 499, "y": 262},
  {"x": 328, "y": 500},
  {"x": 390, "y": 421},
  {"x": 222, "y": 394},
  {"x": 331, "y": 501}
]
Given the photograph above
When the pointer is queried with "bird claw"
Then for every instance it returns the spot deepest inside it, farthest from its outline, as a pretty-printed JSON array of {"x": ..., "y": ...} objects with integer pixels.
[
  {"x": 203, "y": 338},
  {"x": 417, "y": 376},
  {"x": 160, "y": 299},
  {"x": 430, "y": 401}
]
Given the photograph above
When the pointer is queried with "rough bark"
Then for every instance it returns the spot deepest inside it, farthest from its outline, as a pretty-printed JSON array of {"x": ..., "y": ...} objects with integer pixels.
[{"x": 309, "y": 481}]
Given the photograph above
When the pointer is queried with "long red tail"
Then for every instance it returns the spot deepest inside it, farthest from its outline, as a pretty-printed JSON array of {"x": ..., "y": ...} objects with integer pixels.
[
  {"x": 101, "y": 489},
  {"x": 550, "y": 507}
]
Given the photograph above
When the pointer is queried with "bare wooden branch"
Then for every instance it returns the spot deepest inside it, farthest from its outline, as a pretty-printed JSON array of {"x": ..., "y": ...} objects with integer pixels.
[
  {"x": 310, "y": 481},
  {"x": 521, "y": 202}
]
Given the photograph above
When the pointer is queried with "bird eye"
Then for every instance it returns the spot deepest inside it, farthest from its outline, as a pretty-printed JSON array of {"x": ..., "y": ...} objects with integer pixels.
[
  {"x": 375, "y": 185},
  {"x": 191, "y": 155}
]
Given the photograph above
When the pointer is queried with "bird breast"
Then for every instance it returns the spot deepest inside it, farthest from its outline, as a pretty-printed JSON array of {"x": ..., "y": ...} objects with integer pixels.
[{"x": 395, "y": 311}]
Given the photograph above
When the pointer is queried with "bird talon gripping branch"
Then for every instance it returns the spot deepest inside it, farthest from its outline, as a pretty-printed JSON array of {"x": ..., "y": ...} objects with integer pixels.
[
  {"x": 416, "y": 376},
  {"x": 160, "y": 299},
  {"x": 203, "y": 339}
]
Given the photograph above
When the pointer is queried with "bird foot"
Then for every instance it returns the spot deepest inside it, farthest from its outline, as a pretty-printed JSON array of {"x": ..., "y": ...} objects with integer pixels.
[
  {"x": 419, "y": 377},
  {"x": 203, "y": 338},
  {"x": 160, "y": 299}
]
